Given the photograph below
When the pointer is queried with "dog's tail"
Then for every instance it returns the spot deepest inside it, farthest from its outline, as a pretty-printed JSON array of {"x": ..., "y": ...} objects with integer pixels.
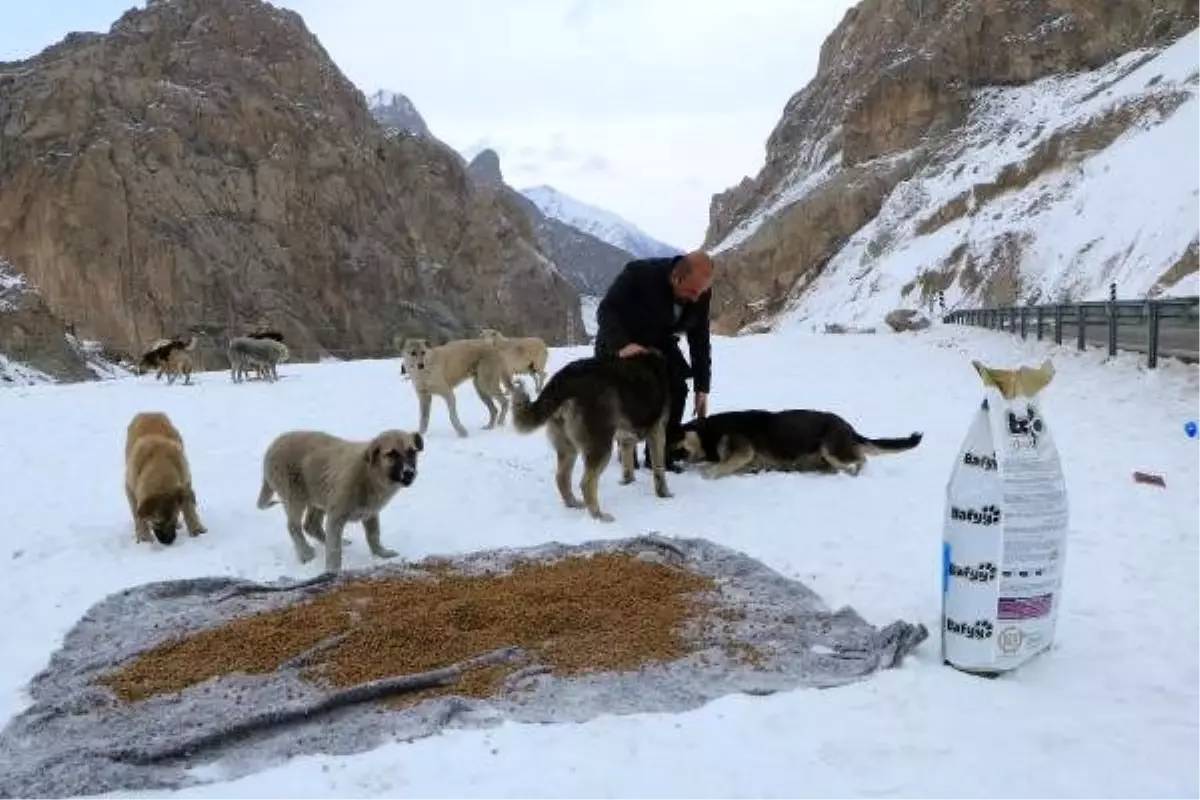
[
  {"x": 264, "y": 495},
  {"x": 529, "y": 415},
  {"x": 879, "y": 447}
]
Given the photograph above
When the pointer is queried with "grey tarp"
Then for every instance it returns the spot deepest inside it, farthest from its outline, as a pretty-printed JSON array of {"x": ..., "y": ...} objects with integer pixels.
[{"x": 76, "y": 739}]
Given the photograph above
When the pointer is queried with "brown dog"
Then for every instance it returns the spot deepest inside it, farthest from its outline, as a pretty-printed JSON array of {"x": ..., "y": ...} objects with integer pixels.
[
  {"x": 179, "y": 362},
  {"x": 158, "y": 481}
]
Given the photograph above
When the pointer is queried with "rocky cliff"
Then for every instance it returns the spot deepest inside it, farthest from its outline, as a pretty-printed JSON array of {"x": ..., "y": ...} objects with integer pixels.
[
  {"x": 395, "y": 112},
  {"x": 968, "y": 147},
  {"x": 35, "y": 345},
  {"x": 205, "y": 165},
  {"x": 588, "y": 262}
]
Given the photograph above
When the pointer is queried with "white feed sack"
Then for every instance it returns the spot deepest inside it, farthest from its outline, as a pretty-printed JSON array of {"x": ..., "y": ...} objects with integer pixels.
[{"x": 1005, "y": 534}]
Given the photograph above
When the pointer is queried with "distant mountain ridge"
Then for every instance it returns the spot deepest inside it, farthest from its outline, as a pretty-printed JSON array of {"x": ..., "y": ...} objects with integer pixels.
[
  {"x": 601, "y": 223},
  {"x": 588, "y": 263},
  {"x": 395, "y": 111},
  {"x": 589, "y": 245}
]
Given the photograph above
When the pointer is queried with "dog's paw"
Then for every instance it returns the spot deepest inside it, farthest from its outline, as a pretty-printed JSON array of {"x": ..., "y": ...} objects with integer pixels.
[
  {"x": 306, "y": 555},
  {"x": 385, "y": 552},
  {"x": 709, "y": 474},
  {"x": 573, "y": 502},
  {"x": 603, "y": 516},
  {"x": 626, "y": 480},
  {"x": 199, "y": 529}
]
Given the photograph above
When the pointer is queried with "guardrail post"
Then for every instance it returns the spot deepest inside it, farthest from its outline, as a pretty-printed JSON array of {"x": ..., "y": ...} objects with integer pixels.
[
  {"x": 1152, "y": 350},
  {"x": 1039, "y": 313},
  {"x": 1058, "y": 324},
  {"x": 1024, "y": 320},
  {"x": 1081, "y": 326},
  {"x": 1112, "y": 320}
]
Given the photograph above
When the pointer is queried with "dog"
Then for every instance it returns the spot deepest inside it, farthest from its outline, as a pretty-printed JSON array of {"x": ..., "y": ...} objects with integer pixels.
[
  {"x": 589, "y": 404},
  {"x": 794, "y": 440},
  {"x": 158, "y": 480},
  {"x": 523, "y": 354},
  {"x": 274, "y": 335},
  {"x": 440, "y": 370},
  {"x": 325, "y": 482},
  {"x": 158, "y": 354},
  {"x": 179, "y": 362},
  {"x": 262, "y": 355}
]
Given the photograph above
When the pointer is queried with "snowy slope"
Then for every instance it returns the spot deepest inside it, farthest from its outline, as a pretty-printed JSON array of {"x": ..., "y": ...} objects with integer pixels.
[
  {"x": 1111, "y": 711},
  {"x": 602, "y": 224},
  {"x": 1106, "y": 209}
]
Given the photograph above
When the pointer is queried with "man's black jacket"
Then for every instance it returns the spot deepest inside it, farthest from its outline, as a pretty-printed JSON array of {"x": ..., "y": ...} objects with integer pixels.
[{"x": 640, "y": 307}]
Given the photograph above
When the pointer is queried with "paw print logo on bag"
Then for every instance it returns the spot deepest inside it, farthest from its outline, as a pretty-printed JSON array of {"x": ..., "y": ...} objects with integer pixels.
[
  {"x": 985, "y": 572},
  {"x": 1028, "y": 426},
  {"x": 987, "y": 515},
  {"x": 978, "y": 630}
]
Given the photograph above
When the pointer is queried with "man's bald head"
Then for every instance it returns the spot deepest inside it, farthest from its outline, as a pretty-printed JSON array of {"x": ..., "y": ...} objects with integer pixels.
[{"x": 692, "y": 275}]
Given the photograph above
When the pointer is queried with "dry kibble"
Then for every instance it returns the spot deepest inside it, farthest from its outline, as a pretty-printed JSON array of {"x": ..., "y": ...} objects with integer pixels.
[{"x": 606, "y": 612}]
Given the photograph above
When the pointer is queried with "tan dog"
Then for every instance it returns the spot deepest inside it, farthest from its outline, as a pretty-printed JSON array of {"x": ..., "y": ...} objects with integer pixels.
[
  {"x": 526, "y": 354},
  {"x": 158, "y": 481},
  {"x": 179, "y": 362},
  {"x": 440, "y": 370},
  {"x": 319, "y": 476}
]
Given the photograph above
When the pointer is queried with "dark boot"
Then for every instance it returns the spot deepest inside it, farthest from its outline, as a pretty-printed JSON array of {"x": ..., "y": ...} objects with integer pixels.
[{"x": 672, "y": 465}]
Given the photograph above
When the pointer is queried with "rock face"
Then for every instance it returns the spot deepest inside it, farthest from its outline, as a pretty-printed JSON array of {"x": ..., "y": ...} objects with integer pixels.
[
  {"x": 906, "y": 319},
  {"x": 590, "y": 264},
  {"x": 911, "y": 96},
  {"x": 204, "y": 165},
  {"x": 396, "y": 113},
  {"x": 33, "y": 337}
]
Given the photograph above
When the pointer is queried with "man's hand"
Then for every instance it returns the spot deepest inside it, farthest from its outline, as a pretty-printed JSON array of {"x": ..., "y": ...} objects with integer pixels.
[
  {"x": 701, "y": 408},
  {"x": 631, "y": 349}
]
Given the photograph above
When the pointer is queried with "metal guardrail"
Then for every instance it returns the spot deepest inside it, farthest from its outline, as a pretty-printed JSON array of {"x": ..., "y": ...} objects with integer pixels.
[{"x": 1167, "y": 326}]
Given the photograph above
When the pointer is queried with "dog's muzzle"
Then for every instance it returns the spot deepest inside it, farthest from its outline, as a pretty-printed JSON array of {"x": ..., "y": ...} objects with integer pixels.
[
  {"x": 165, "y": 534},
  {"x": 404, "y": 474}
]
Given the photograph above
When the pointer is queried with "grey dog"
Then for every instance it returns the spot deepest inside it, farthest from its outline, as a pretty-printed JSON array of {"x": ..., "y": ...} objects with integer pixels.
[{"x": 262, "y": 355}]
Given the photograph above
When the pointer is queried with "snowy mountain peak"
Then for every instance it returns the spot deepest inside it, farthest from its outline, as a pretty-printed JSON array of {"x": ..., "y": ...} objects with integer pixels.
[
  {"x": 604, "y": 225},
  {"x": 394, "y": 110}
]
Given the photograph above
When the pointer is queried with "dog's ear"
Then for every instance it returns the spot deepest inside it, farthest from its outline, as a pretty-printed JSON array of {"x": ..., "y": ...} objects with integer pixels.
[
  {"x": 373, "y": 453},
  {"x": 418, "y": 442}
]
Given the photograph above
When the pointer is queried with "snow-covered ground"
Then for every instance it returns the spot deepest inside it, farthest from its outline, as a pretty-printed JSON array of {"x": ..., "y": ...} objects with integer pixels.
[
  {"x": 1111, "y": 711},
  {"x": 588, "y": 306},
  {"x": 1122, "y": 212}
]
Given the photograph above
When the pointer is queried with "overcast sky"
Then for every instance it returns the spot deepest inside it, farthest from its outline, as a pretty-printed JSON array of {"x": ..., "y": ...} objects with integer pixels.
[{"x": 644, "y": 107}]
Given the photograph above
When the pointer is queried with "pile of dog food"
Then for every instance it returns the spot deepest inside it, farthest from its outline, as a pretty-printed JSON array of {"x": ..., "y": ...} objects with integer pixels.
[{"x": 605, "y": 612}]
